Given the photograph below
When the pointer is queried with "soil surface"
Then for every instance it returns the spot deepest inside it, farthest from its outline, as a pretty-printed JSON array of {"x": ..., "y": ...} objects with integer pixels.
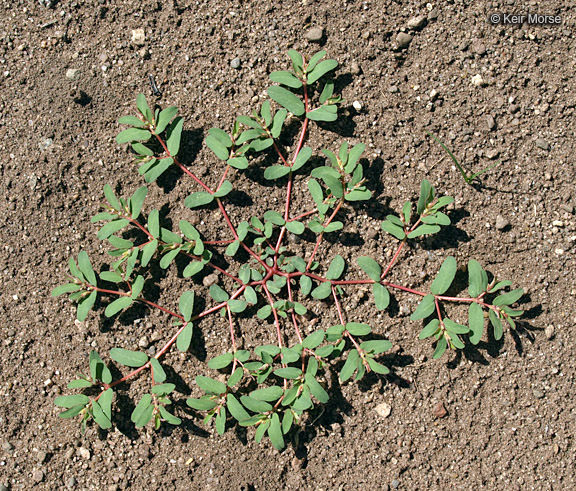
[{"x": 497, "y": 416}]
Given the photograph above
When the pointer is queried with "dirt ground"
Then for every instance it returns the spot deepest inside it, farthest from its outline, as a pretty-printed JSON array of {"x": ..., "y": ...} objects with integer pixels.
[{"x": 491, "y": 92}]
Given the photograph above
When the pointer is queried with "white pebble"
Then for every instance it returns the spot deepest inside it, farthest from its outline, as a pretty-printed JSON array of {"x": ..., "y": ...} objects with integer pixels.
[
  {"x": 383, "y": 409},
  {"x": 557, "y": 223},
  {"x": 477, "y": 80},
  {"x": 357, "y": 105}
]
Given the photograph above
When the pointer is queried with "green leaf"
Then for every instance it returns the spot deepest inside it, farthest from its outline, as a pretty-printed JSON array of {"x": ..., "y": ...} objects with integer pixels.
[
  {"x": 286, "y": 99},
  {"x": 169, "y": 417},
  {"x": 143, "y": 107},
  {"x": 154, "y": 223},
  {"x": 499, "y": 285},
  {"x": 349, "y": 366},
  {"x": 210, "y": 386},
  {"x": 164, "y": 118},
  {"x": 218, "y": 294},
  {"x": 445, "y": 276},
  {"x": 295, "y": 227},
  {"x": 381, "y": 296},
  {"x": 235, "y": 408},
  {"x": 327, "y": 92},
  {"x": 186, "y": 304},
  {"x": 163, "y": 389},
  {"x": 264, "y": 312},
  {"x": 112, "y": 227},
  {"x": 438, "y": 218},
  {"x": 278, "y": 122},
  {"x": 323, "y": 113},
  {"x": 358, "y": 329},
  {"x": 303, "y": 157},
  {"x": 476, "y": 284},
  {"x": 85, "y": 305},
  {"x": 199, "y": 198},
  {"x": 370, "y": 267},
  {"x": 70, "y": 413},
  {"x": 336, "y": 268},
  {"x": 274, "y": 217},
  {"x": 250, "y": 295},
  {"x": 322, "y": 291},
  {"x": 129, "y": 358},
  {"x": 255, "y": 405},
  {"x": 157, "y": 170},
  {"x": 288, "y": 373},
  {"x": 424, "y": 309},
  {"x": 133, "y": 134},
  {"x": 137, "y": 200},
  {"x": 430, "y": 329},
  {"x": 268, "y": 394},
  {"x": 454, "y": 327},
  {"x": 235, "y": 377},
  {"x": 137, "y": 287},
  {"x": 423, "y": 230},
  {"x": 148, "y": 251},
  {"x": 305, "y": 285},
  {"x": 496, "y": 324},
  {"x": 223, "y": 190},
  {"x": 508, "y": 298},
  {"x": 185, "y": 338},
  {"x": 276, "y": 172},
  {"x": 353, "y": 157},
  {"x": 221, "y": 361},
  {"x": 441, "y": 346},
  {"x": 316, "y": 389},
  {"x": 313, "y": 340},
  {"x": 297, "y": 60},
  {"x": 67, "y": 288},
  {"x": 286, "y": 78},
  {"x": 377, "y": 367},
  {"x": 219, "y": 149},
  {"x": 407, "y": 211},
  {"x": 98, "y": 369},
  {"x": 79, "y": 384},
  {"x": 275, "y": 432},
  {"x": 321, "y": 69},
  {"x": 86, "y": 268},
  {"x": 143, "y": 411},
  {"x": 131, "y": 120},
  {"x": 102, "y": 409},
  {"x": 476, "y": 322},
  {"x": 73, "y": 400},
  {"x": 237, "y": 306},
  {"x": 314, "y": 60},
  {"x": 159, "y": 373},
  {"x": 202, "y": 404},
  {"x": 173, "y": 136},
  {"x": 426, "y": 195},
  {"x": 376, "y": 346},
  {"x": 169, "y": 257}
]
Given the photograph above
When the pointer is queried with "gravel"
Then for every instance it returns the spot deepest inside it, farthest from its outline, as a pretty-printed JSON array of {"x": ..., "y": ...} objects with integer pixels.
[{"x": 403, "y": 39}]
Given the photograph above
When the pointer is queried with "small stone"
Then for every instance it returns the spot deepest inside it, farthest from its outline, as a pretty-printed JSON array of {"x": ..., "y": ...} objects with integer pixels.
[
  {"x": 492, "y": 153},
  {"x": 403, "y": 39},
  {"x": 393, "y": 89},
  {"x": 72, "y": 73},
  {"x": 490, "y": 122},
  {"x": 538, "y": 394},
  {"x": 478, "y": 48},
  {"x": 501, "y": 222},
  {"x": 440, "y": 411},
  {"x": 70, "y": 483},
  {"x": 355, "y": 68},
  {"x": 558, "y": 223},
  {"x": 433, "y": 95},
  {"x": 143, "y": 342},
  {"x": 84, "y": 453},
  {"x": 567, "y": 208},
  {"x": 38, "y": 476},
  {"x": 395, "y": 483},
  {"x": 138, "y": 37},
  {"x": 549, "y": 332},
  {"x": 559, "y": 251},
  {"x": 41, "y": 457},
  {"x": 543, "y": 144},
  {"x": 236, "y": 63},
  {"x": 7, "y": 446},
  {"x": 384, "y": 409},
  {"x": 433, "y": 14},
  {"x": 315, "y": 34},
  {"x": 45, "y": 143},
  {"x": 210, "y": 280},
  {"x": 416, "y": 23},
  {"x": 477, "y": 80},
  {"x": 356, "y": 105}
]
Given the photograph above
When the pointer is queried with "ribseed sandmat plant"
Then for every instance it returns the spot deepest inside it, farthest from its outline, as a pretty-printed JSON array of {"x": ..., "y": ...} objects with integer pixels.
[{"x": 269, "y": 387}]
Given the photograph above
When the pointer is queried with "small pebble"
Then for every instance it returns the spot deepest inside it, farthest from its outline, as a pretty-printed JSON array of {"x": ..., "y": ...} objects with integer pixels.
[
  {"x": 356, "y": 105},
  {"x": 210, "y": 280},
  {"x": 492, "y": 153},
  {"x": 478, "y": 48},
  {"x": 71, "y": 482},
  {"x": 7, "y": 446},
  {"x": 549, "y": 332},
  {"x": 41, "y": 457},
  {"x": 490, "y": 122},
  {"x": 355, "y": 68},
  {"x": 38, "y": 476},
  {"x": 538, "y": 394},
  {"x": 393, "y": 89},
  {"x": 440, "y": 411},
  {"x": 45, "y": 143},
  {"x": 558, "y": 223},
  {"x": 138, "y": 37},
  {"x": 384, "y": 409},
  {"x": 395, "y": 483},
  {"x": 314, "y": 35},
  {"x": 84, "y": 453},
  {"x": 477, "y": 80},
  {"x": 567, "y": 208},
  {"x": 236, "y": 63},
  {"x": 501, "y": 222},
  {"x": 72, "y": 73},
  {"x": 543, "y": 144},
  {"x": 143, "y": 342},
  {"x": 403, "y": 39},
  {"x": 559, "y": 251},
  {"x": 416, "y": 23}
]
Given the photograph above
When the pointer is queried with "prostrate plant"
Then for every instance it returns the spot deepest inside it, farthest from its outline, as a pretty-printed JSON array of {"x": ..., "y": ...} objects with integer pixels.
[{"x": 271, "y": 386}]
